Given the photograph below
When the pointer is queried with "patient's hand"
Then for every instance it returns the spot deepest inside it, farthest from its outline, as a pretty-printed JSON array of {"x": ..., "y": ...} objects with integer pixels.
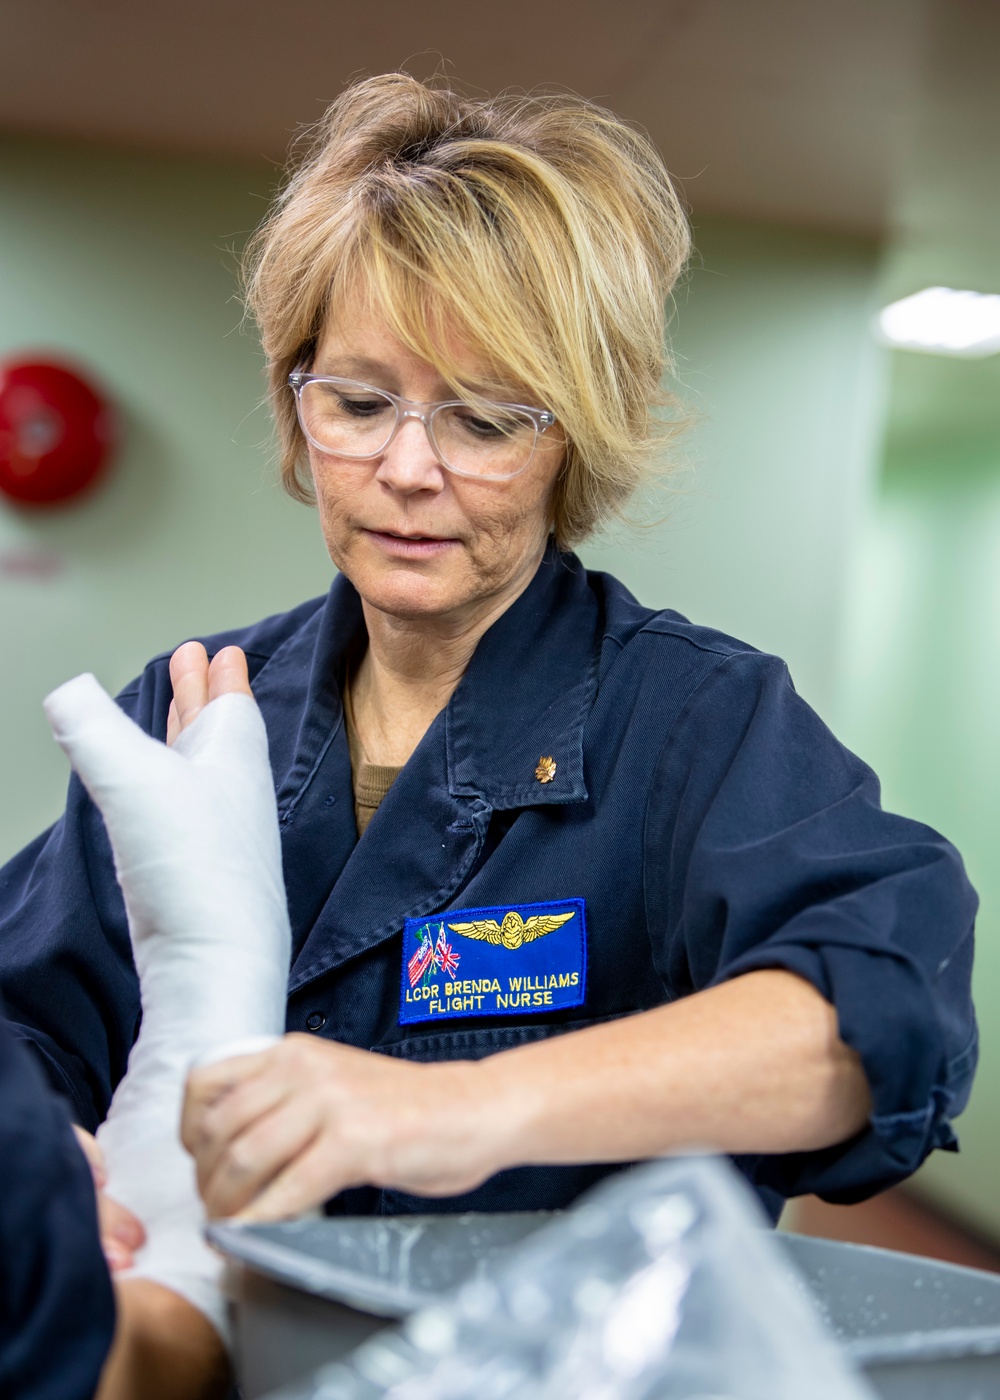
[
  {"x": 196, "y": 681},
  {"x": 121, "y": 1232},
  {"x": 194, "y": 831}
]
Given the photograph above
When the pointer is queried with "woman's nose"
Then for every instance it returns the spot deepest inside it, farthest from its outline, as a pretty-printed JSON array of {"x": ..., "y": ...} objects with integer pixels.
[{"x": 410, "y": 463}]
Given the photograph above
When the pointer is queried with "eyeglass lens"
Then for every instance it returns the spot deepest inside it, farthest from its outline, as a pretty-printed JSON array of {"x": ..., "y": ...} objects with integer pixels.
[{"x": 358, "y": 422}]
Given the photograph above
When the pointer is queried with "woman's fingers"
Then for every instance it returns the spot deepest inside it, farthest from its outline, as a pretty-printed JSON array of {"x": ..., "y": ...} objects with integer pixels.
[
  {"x": 304, "y": 1183},
  {"x": 206, "y": 1088},
  {"x": 245, "y": 1121},
  {"x": 189, "y": 678},
  {"x": 210, "y": 1127},
  {"x": 252, "y": 1160},
  {"x": 293, "y": 1126}
]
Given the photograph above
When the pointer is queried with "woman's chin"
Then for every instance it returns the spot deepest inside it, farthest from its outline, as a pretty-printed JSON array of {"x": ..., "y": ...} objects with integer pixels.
[{"x": 410, "y": 593}]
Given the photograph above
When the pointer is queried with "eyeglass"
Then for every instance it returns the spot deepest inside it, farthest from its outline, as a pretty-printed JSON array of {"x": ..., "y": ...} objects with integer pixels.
[{"x": 491, "y": 441}]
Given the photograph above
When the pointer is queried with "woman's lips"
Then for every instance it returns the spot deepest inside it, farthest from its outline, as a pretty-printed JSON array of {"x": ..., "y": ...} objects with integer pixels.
[{"x": 410, "y": 546}]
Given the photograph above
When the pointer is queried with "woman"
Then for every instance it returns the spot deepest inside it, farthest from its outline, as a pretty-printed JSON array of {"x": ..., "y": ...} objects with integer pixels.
[{"x": 591, "y": 881}]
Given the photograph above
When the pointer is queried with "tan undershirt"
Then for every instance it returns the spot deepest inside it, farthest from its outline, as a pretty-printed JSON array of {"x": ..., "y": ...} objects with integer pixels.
[{"x": 371, "y": 781}]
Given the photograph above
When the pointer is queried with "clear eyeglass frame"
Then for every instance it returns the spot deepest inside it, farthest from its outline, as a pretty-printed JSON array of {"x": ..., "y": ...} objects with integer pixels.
[{"x": 542, "y": 418}]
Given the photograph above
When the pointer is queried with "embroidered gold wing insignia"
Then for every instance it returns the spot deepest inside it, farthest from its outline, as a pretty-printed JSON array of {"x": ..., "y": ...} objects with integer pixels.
[{"x": 514, "y": 931}]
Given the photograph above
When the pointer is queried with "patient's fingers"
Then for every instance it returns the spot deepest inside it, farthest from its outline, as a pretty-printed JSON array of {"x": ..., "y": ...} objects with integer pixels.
[
  {"x": 227, "y": 674},
  {"x": 189, "y": 677},
  {"x": 196, "y": 682},
  {"x": 122, "y": 1232},
  {"x": 173, "y": 723},
  {"x": 98, "y": 738},
  {"x": 93, "y": 1154}
]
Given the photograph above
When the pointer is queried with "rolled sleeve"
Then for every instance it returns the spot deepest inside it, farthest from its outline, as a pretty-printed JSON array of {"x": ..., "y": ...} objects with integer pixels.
[{"x": 779, "y": 855}]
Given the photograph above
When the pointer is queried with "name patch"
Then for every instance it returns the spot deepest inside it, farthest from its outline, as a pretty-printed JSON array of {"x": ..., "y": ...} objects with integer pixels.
[{"x": 511, "y": 960}]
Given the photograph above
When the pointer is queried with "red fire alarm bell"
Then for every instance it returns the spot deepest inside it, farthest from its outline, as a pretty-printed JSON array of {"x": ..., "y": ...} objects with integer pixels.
[{"x": 56, "y": 432}]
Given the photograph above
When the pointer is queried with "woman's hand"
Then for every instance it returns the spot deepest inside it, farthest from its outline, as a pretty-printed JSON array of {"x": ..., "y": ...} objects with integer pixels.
[
  {"x": 122, "y": 1232},
  {"x": 277, "y": 1133},
  {"x": 752, "y": 1065}
]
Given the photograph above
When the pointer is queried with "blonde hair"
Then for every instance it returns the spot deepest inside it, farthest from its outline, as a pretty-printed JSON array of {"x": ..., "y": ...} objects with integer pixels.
[{"x": 541, "y": 234}]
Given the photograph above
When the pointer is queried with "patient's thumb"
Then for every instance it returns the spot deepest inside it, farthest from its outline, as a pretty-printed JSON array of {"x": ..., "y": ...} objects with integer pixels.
[{"x": 99, "y": 740}]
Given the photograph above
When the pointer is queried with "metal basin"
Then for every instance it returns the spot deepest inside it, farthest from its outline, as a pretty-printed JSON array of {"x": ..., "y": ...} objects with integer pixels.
[
  {"x": 309, "y": 1291},
  {"x": 919, "y": 1329}
]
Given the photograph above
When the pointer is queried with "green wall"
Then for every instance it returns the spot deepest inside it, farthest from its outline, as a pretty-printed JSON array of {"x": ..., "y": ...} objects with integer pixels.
[
  {"x": 124, "y": 263},
  {"x": 785, "y": 385}
]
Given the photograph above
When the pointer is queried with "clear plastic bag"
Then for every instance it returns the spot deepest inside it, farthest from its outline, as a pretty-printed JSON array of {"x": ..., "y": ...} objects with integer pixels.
[{"x": 660, "y": 1283}]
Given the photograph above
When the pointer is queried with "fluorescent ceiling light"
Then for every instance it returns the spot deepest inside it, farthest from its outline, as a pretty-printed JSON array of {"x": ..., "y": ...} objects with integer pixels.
[{"x": 941, "y": 321}]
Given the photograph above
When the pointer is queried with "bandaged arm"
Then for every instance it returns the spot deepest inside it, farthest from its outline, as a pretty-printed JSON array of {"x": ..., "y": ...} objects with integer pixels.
[{"x": 195, "y": 839}]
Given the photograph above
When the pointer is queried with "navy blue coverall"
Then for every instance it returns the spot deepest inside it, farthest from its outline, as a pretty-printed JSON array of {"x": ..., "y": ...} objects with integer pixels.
[
  {"x": 56, "y": 1302},
  {"x": 700, "y": 814}
]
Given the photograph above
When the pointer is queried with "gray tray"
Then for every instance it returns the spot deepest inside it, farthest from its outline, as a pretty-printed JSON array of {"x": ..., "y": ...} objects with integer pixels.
[
  {"x": 919, "y": 1329},
  {"x": 306, "y": 1292},
  {"x": 309, "y": 1291}
]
